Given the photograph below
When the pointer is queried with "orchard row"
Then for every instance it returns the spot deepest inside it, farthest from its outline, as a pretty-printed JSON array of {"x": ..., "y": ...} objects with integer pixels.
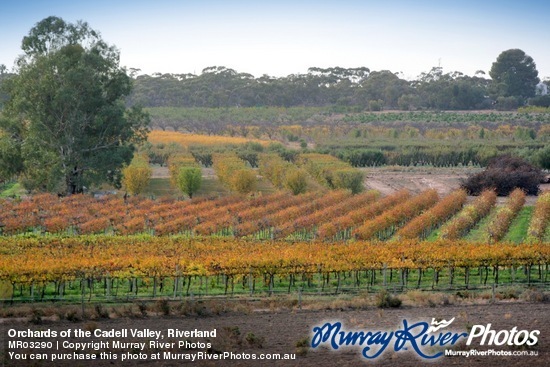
[{"x": 331, "y": 216}]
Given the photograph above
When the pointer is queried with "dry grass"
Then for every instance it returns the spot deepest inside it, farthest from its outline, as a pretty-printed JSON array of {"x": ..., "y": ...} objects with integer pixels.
[
  {"x": 187, "y": 140},
  {"x": 427, "y": 299},
  {"x": 212, "y": 307}
]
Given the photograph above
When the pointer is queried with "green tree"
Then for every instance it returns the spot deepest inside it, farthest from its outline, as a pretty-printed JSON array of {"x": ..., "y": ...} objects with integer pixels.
[
  {"x": 514, "y": 74},
  {"x": 383, "y": 86},
  {"x": 189, "y": 180},
  {"x": 11, "y": 163},
  {"x": 450, "y": 91},
  {"x": 68, "y": 96},
  {"x": 348, "y": 179},
  {"x": 4, "y": 75},
  {"x": 543, "y": 158}
]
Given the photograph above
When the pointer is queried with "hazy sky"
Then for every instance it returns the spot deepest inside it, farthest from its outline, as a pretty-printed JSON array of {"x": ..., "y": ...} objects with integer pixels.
[{"x": 286, "y": 37}]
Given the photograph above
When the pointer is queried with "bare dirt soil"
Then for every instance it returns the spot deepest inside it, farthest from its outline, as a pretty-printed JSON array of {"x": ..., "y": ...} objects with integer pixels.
[
  {"x": 387, "y": 180},
  {"x": 388, "y": 183},
  {"x": 281, "y": 331}
]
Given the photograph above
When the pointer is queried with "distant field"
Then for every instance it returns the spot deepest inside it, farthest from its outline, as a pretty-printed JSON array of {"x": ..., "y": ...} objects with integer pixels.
[{"x": 186, "y": 140}]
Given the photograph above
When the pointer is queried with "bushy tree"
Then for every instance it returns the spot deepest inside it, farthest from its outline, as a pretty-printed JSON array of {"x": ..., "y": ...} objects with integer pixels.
[
  {"x": 296, "y": 181},
  {"x": 514, "y": 74},
  {"x": 540, "y": 101},
  {"x": 504, "y": 174},
  {"x": 234, "y": 174},
  {"x": 243, "y": 181},
  {"x": 68, "y": 99},
  {"x": 136, "y": 176},
  {"x": 189, "y": 180},
  {"x": 350, "y": 179}
]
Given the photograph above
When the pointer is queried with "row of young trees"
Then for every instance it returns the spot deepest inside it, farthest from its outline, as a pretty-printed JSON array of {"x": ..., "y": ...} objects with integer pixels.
[
  {"x": 331, "y": 172},
  {"x": 500, "y": 222},
  {"x": 233, "y": 168},
  {"x": 422, "y": 225},
  {"x": 469, "y": 216},
  {"x": 283, "y": 174},
  {"x": 538, "y": 227},
  {"x": 185, "y": 172},
  {"x": 386, "y": 224}
]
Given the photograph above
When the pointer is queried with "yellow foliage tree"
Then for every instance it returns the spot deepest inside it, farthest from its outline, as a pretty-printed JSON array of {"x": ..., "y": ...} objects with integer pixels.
[
  {"x": 136, "y": 176},
  {"x": 243, "y": 181},
  {"x": 296, "y": 181},
  {"x": 234, "y": 174}
]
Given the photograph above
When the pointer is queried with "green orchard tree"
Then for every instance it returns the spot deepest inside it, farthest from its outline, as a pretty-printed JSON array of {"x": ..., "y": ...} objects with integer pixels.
[
  {"x": 514, "y": 74},
  {"x": 189, "y": 180},
  {"x": 68, "y": 97}
]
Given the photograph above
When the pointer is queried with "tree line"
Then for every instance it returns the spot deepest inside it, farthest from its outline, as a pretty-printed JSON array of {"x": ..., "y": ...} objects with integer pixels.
[{"x": 513, "y": 82}]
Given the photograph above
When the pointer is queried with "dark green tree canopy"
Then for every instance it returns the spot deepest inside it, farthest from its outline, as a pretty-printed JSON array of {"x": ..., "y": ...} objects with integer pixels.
[
  {"x": 68, "y": 97},
  {"x": 53, "y": 33},
  {"x": 514, "y": 74},
  {"x": 350, "y": 88}
]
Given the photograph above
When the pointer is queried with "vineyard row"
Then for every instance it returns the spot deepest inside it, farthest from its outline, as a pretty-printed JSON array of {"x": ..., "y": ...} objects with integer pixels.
[
  {"x": 333, "y": 216},
  {"x": 28, "y": 260}
]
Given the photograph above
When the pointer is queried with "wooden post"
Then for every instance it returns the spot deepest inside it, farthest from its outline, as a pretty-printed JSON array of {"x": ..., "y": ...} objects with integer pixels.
[
  {"x": 176, "y": 282},
  {"x": 250, "y": 285},
  {"x": 108, "y": 286}
]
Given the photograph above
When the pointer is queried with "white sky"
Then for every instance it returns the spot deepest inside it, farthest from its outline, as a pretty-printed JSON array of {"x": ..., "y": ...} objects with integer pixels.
[{"x": 286, "y": 37}]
